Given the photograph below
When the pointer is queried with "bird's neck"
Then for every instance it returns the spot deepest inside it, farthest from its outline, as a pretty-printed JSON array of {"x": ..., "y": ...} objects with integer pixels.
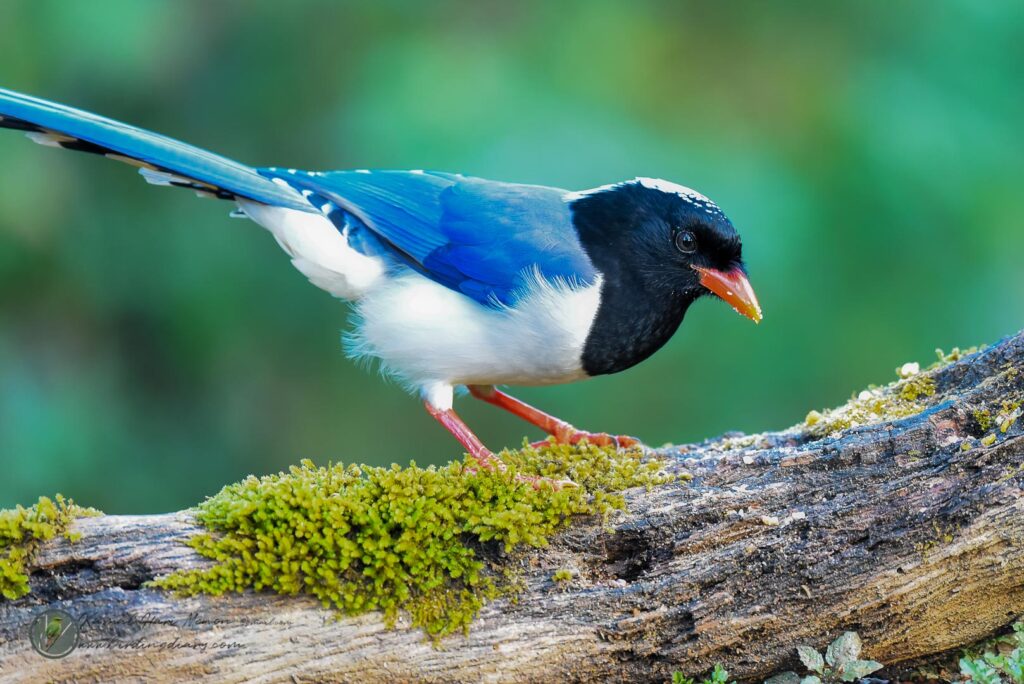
[{"x": 632, "y": 323}]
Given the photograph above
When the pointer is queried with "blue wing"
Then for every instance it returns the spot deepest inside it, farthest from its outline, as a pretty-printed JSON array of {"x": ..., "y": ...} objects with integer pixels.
[
  {"x": 475, "y": 236},
  {"x": 174, "y": 162}
]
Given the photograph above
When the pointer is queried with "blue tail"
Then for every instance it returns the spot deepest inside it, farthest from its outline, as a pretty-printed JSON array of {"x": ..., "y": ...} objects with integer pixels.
[{"x": 161, "y": 160}]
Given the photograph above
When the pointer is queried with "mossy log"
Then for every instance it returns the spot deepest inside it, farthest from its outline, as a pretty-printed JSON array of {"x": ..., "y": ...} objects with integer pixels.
[{"x": 909, "y": 531}]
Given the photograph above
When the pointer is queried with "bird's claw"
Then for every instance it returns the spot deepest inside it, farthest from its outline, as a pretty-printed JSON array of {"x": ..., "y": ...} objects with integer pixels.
[{"x": 602, "y": 439}]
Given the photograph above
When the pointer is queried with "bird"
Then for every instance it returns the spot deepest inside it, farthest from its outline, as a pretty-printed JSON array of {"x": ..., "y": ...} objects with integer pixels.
[{"x": 457, "y": 282}]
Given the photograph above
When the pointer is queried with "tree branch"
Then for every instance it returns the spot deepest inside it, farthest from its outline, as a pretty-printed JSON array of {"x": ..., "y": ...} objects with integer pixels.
[{"x": 891, "y": 529}]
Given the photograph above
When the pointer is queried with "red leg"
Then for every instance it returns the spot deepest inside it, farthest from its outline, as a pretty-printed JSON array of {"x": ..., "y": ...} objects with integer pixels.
[
  {"x": 455, "y": 425},
  {"x": 559, "y": 429}
]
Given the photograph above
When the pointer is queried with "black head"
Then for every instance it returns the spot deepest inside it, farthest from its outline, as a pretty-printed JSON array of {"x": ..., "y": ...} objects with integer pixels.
[{"x": 659, "y": 247}]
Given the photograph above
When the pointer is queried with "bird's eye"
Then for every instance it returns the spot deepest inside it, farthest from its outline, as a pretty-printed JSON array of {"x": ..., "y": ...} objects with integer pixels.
[{"x": 686, "y": 242}]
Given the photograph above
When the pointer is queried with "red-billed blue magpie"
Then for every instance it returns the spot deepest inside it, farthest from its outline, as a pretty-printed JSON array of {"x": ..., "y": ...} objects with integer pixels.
[{"x": 460, "y": 281}]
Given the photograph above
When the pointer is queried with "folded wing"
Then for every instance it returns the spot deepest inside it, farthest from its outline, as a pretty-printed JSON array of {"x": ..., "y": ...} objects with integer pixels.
[{"x": 483, "y": 238}]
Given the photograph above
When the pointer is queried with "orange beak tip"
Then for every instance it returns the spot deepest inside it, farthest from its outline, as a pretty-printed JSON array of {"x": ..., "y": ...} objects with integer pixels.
[{"x": 734, "y": 288}]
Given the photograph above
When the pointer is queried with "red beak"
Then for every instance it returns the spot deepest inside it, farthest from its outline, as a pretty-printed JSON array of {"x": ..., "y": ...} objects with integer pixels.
[{"x": 734, "y": 288}]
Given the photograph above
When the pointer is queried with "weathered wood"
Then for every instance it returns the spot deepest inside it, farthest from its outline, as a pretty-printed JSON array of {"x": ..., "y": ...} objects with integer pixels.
[{"x": 891, "y": 530}]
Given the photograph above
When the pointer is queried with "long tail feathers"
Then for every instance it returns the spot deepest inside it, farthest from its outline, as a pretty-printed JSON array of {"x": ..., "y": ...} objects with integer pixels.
[{"x": 161, "y": 160}]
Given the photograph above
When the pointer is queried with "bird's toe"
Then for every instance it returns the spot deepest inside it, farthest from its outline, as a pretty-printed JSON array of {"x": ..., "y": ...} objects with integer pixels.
[{"x": 602, "y": 439}]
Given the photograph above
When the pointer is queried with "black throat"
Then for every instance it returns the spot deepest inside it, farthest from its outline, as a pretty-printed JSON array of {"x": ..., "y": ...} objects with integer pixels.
[{"x": 638, "y": 313}]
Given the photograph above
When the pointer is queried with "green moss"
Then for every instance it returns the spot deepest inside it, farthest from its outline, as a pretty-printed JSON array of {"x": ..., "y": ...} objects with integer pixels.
[
  {"x": 900, "y": 399},
  {"x": 21, "y": 531},
  {"x": 737, "y": 443},
  {"x": 917, "y": 387},
  {"x": 955, "y": 355},
  {"x": 983, "y": 417},
  {"x": 562, "y": 575},
  {"x": 397, "y": 539},
  {"x": 943, "y": 534},
  {"x": 1008, "y": 415},
  {"x": 905, "y": 397}
]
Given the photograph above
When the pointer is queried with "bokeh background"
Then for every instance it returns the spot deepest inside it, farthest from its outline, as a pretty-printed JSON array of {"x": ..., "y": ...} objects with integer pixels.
[{"x": 151, "y": 350}]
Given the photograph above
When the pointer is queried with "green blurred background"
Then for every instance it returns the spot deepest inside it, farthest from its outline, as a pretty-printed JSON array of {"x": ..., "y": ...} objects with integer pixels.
[{"x": 151, "y": 350}]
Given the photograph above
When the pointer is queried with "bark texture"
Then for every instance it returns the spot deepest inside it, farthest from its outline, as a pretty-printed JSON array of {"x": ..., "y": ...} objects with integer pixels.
[{"x": 891, "y": 529}]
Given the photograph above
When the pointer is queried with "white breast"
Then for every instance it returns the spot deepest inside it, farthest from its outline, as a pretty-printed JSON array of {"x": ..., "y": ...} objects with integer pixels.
[{"x": 425, "y": 333}]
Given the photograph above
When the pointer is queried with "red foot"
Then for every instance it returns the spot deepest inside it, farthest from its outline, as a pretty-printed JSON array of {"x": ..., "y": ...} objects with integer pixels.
[
  {"x": 562, "y": 432},
  {"x": 537, "y": 481}
]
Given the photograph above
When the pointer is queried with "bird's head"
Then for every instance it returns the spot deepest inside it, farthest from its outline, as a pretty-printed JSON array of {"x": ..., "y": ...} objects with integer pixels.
[{"x": 667, "y": 239}]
